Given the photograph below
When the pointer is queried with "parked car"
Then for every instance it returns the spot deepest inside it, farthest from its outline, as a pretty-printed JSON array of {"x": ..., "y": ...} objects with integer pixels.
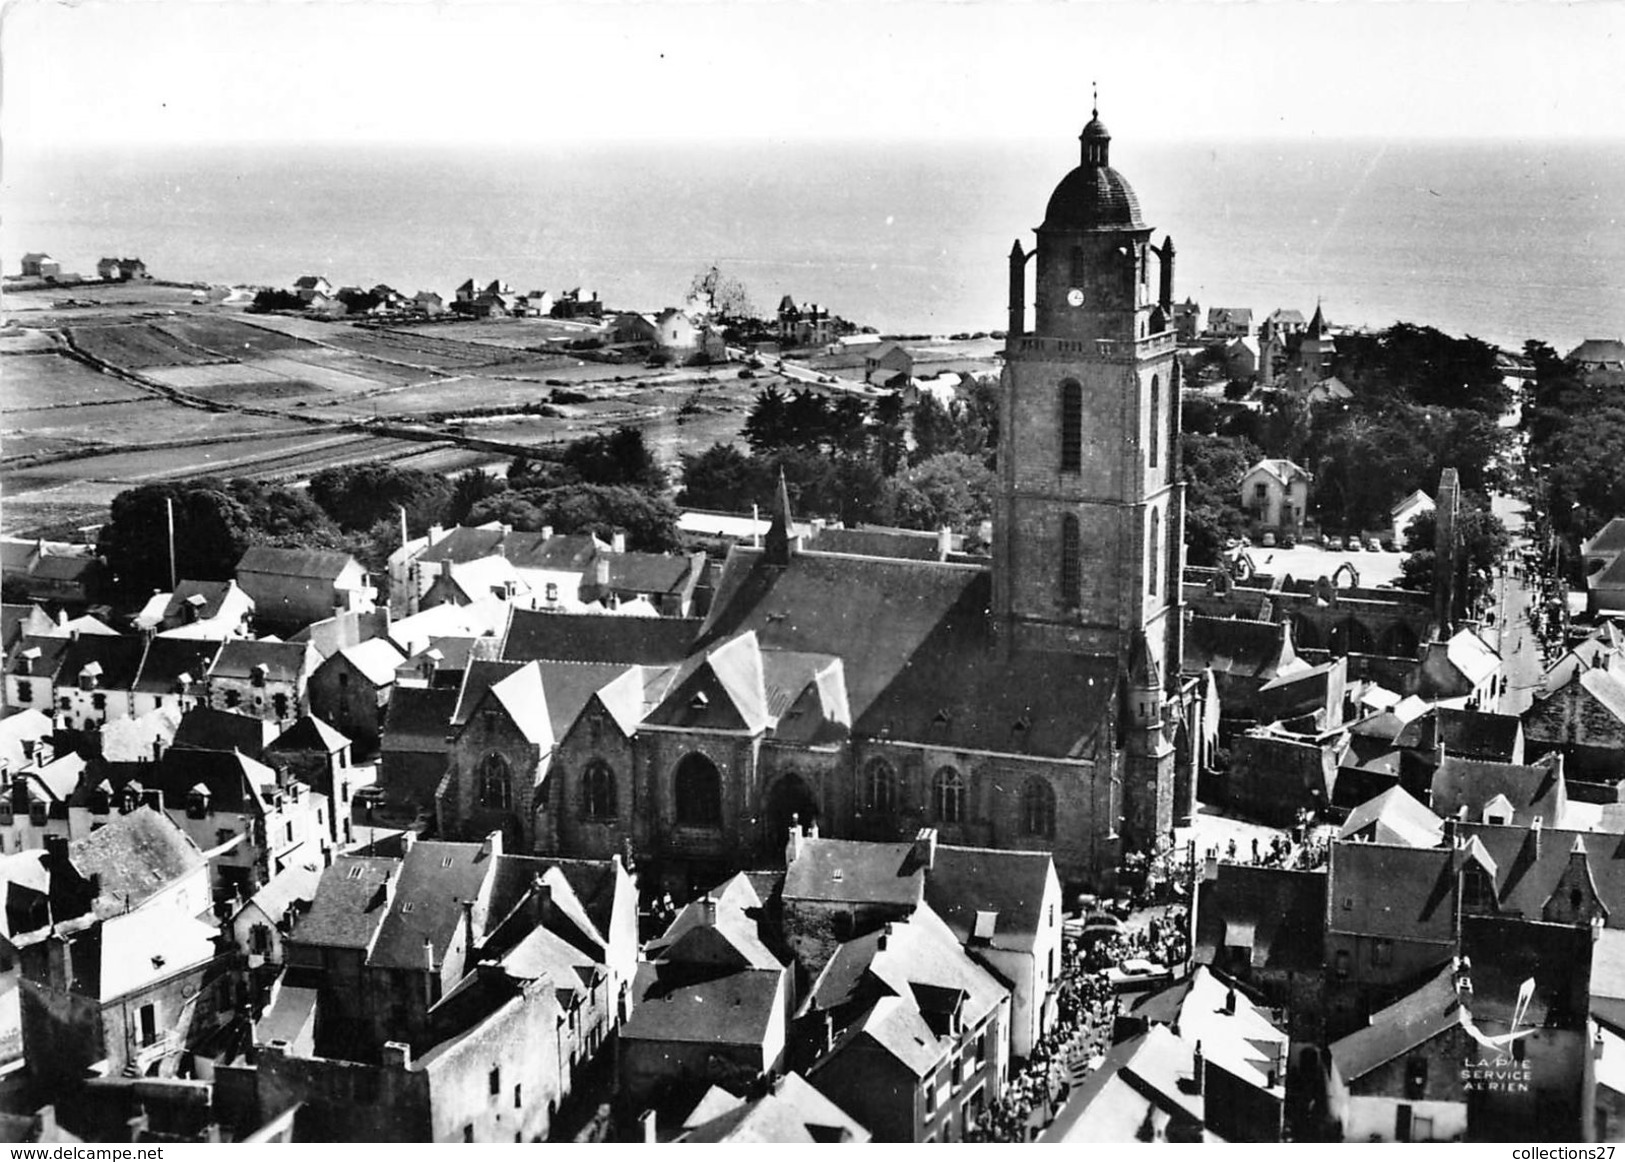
[
  {"x": 1373, "y": 545},
  {"x": 1138, "y": 975},
  {"x": 1335, "y": 544},
  {"x": 1389, "y": 545},
  {"x": 1267, "y": 540},
  {"x": 1288, "y": 541}
]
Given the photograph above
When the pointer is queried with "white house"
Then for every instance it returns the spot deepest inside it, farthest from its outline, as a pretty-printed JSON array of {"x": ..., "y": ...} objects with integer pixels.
[
  {"x": 1276, "y": 492},
  {"x": 1408, "y": 510}
]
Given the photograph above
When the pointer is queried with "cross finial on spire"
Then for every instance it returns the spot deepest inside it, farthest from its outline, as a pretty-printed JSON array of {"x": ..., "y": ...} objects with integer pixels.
[{"x": 1094, "y": 87}]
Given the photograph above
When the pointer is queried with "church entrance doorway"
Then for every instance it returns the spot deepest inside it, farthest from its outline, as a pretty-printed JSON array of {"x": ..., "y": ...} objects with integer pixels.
[{"x": 789, "y": 799}]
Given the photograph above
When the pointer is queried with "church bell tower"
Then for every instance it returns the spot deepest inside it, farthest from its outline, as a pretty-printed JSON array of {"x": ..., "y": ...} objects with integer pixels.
[{"x": 1089, "y": 516}]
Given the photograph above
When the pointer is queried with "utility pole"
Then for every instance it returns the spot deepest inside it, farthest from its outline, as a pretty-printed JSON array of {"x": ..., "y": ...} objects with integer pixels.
[{"x": 169, "y": 514}]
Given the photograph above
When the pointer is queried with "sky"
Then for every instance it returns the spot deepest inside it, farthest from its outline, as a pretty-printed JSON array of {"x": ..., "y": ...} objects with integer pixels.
[{"x": 136, "y": 73}]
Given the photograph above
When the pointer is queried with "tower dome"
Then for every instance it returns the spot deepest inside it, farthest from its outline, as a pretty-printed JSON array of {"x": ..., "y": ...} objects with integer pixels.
[{"x": 1094, "y": 196}]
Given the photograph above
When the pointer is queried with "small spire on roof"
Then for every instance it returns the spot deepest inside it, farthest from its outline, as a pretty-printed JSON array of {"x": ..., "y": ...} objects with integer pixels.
[
  {"x": 780, "y": 545},
  {"x": 1094, "y": 109}
]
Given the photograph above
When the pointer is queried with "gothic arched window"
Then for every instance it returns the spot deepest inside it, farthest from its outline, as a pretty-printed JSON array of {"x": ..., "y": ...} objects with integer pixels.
[
  {"x": 1071, "y": 561},
  {"x": 948, "y": 795},
  {"x": 496, "y": 789},
  {"x": 1038, "y": 808},
  {"x": 881, "y": 786},
  {"x": 1071, "y": 426},
  {"x": 1154, "y": 552},
  {"x": 698, "y": 792},
  {"x": 1156, "y": 418},
  {"x": 598, "y": 790}
]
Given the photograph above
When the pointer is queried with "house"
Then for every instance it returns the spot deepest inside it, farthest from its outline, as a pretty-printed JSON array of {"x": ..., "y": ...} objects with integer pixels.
[
  {"x": 791, "y": 1112},
  {"x": 576, "y": 303},
  {"x": 1229, "y": 322},
  {"x": 1503, "y": 793},
  {"x": 428, "y": 303},
  {"x": 95, "y": 680},
  {"x": 57, "y": 574},
  {"x": 1276, "y": 772},
  {"x": 415, "y": 746},
  {"x": 1241, "y": 358},
  {"x": 917, "y": 1033},
  {"x": 19, "y": 621},
  {"x": 676, "y": 333},
  {"x": 1598, "y": 362},
  {"x": 1148, "y": 1089},
  {"x": 121, "y": 269},
  {"x": 267, "y": 679},
  {"x": 885, "y": 364},
  {"x": 804, "y": 326},
  {"x": 352, "y": 688},
  {"x": 200, "y": 609},
  {"x": 313, "y": 286},
  {"x": 34, "y": 800},
  {"x": 31, "y": 671},
  {"x": 1276, "y": 493},
  {"x": 1583, "y": 720},
  {"x": 464, "y": 583},
  {"x": 205, "y": 728},
  {"x": 1005, "y": 909},
  {"x": 711, "y": 1007},
  {"x": 1240, "y": 1051},
  {"x": 39, "y": 265},
  {"x": 294, "y": 587},
  {"x": 313, "y": 753},
  {"x": 1393, "y": 817},
  {"x": 1265, "y": 927},
  {"x": 1408, "y": 510},
  {"x": 1605, "y": 576},
  {"x": 837, "y": 889},
  {"x": 260, "y": 924},
  {"x": 133, "y": 993},
  {"x": 173, "y": 675},
  {"x": 1328, "y": 390},
  {"x": 1462, "y": 672},
  {"x": 632, "y": 327},
  {"x": 1187, "y": 321}
]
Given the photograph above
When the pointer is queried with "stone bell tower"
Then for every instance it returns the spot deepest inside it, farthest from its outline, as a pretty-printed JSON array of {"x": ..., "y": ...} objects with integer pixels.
[{"x": 1089, "y": 514}]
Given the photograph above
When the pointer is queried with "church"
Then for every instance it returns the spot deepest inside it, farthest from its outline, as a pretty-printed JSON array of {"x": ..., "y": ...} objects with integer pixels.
[{"x": 1031, "y": 703}]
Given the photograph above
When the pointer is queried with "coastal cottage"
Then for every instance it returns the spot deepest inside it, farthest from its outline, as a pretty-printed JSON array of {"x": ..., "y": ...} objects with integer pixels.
[
  {"x": 887, "y": 363},
  {"x": 1230, "y": 322},
  {"x": 1599, "y": 362},
  {"x": 1276, "y": 492},
  {"x": 38, "y": 265},
  {"x": 310, "y": 286}
]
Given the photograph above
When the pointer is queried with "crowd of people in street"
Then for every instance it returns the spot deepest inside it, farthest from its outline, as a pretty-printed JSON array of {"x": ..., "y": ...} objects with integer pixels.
[{"x": 1087, "y": 1007}]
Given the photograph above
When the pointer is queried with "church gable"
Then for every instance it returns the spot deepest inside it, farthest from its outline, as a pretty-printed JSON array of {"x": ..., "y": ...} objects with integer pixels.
[{"x": 1575, "y": 899}]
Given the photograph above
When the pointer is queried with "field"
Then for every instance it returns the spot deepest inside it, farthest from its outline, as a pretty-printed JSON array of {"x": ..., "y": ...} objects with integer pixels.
[
  {"x": 31, "y": 382},
  {"x": 137, "y": 345},
  {"x": 231, "y": 338}
]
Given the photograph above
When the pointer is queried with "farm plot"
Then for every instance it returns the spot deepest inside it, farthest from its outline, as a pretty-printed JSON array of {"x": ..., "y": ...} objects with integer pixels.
[
  {"x": 130, "y": 424},
  {"x": 138, "y": 345},
  {"x": 419, "y": 350},
  {"x": 25, "y": 342},
  {"x": 43, "y": 381},
  {"x": 329, "y": 378},
  {"x": 365, "y": 366},
  {"x": 520, "y": 334},
  {"x": 232, "y": 338},
  {"x": 202, "y": 375},
  {"x": 462, "y": 393}
]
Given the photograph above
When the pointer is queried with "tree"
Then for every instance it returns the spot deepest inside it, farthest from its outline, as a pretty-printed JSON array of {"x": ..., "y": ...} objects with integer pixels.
[
  {"x": 891, "y": 433},
  {"x": 767, "y": 426},
  {"x": 952, "y": 489},
  {"x": 721, "y": 477},
  {"x": 276, "y": 300},
  {"x": 723, "y": 294},
  {"x": 650, "y": 522},
  {"x": 468, "y": 488},
  {"x": 619, "y": 458},
  {"x": 279, "y": 515},
  {"x": 212, "y": 531},
  {"x": 358, "y": 496},
  {"x": 1212, "y": 467},
  {"x": 1483, "y": 541}
]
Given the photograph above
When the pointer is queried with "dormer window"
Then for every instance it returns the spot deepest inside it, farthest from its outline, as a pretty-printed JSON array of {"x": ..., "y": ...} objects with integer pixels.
[
  {"x": 197, "y": 802},
  {"x": 700, "y": 701},
  {"x": 257, "y": 676}
]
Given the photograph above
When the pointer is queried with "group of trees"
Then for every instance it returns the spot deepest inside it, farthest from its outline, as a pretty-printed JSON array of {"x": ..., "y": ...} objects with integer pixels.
[
  {"x": 1576, "y": 449},
  {"x": 845, "y": 459}
]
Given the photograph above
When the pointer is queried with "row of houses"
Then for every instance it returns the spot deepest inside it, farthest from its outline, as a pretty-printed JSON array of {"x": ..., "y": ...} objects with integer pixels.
[{"x": 38, "y": 264}]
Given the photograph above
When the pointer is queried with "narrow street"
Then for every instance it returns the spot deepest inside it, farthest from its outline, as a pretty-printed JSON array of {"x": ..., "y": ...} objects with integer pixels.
[{"x": 1511, "y": 634}]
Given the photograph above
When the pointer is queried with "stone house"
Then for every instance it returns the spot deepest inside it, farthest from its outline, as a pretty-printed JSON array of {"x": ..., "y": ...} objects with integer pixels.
[
  {"x": 1604, "y": 575},
  {"x": 1229, "y": 322},
  {"x": 293, "y": 587},
  {"x": 267, "y": 679},
  {"x": 173, "y": 675},
  {"x": 415, "y": 749},
  {"x": 1276, "y": 493},
  {"x": 40, "y": 265},
  {"x": 313, "y": 753},
  {"x": 886, "y": 363},
  {"x": 31, "y": 670},
  {"x": 352, "y": 688},
  {"x": 95, "y": 681},
  {"x": 1583, "y": 719},
  {"x": 213, "y": 610},
  {"x": 1265, "y": 927}
]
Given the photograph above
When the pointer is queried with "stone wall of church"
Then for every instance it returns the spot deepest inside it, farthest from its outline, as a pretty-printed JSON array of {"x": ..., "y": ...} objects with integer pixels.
[
  {"x": 586, "y": 826},
  {"x": 734, "y": 758},
  {"x": 466, "y": 813}
]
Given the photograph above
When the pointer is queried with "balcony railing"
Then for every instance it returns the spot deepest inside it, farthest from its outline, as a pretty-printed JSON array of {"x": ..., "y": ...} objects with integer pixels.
[{"x": 1124, "y": 349}]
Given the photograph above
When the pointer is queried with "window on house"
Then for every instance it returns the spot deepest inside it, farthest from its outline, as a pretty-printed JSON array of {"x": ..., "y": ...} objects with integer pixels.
[
  {"x": 1342, "y": 963},
  {"x": 37, "y": 814},
  {"x": 1382, "y": 953},
  {"x": 552, "y": 591},
  {"x": 25, "y": 692},
  {"x": 496, "y": 788},
  {"x": 1071, "y": 426},
  {"x": 948, "y": 795},
  {"x": 234, "y": 699},
  {"x": 1477, "y": 890},
  {"x": 1416, "y": 1077},
  {"x": 279, "y": 703},
  {"x": 98, "y": 702},
  {"x": 1153, "y": 551},
  {"x": 518, "y": 1102},
  {"x": 1260, "y": 491},
  {"x": 1156, "y": 418},
  {"x": 1038, "y": 808},
  {"x": 698, "y": 788},
  {"x": 881, "y": 786},
  {"x": 496, "y": 1080},
  {"x": 149, "y": 1024},
  {"x": 468, "y": 1132},
  {"x": 598, "y": 790},
  {"x": 65, "y": 704},
  {"x": 1071, "y": 562}
]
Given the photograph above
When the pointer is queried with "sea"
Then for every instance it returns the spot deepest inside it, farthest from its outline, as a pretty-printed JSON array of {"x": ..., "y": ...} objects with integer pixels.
[{"x": 1502, "y": 240}]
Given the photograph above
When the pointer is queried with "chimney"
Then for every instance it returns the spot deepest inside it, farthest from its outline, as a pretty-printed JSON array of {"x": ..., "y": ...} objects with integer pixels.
[
  {"x": 547, "y": 533},
  {"x": 428, "y": 954},
  {"x": 885, "y": 936},
  {"x": 408, "y": 838},
  {"x": 437, "y": 533},
  {"x": 397, "y": 1055},
  {"x": 541, "y": 902},
  {"x": 647, "y": 1120},
  {"x": 708, "y": 910},
  {"x": 45, "y": 1121},
  {"x": 59, "y": 963},
  {"x": 1230, "y": 1001},
  {"x": 829, "y": 1030},
  {"x": 925, "y": 847},
  {"x": 493, "y": 845},
  {"x": 792, "y": 849},
  {"x": 468, "y": 929},
  {"x": 1534, "y": 833},
  {"x": 945, "y": 542},
  {"x": 617, "y": 541},
  {"x": 1198, "y": 1068},
  {"x": 600, "y": 572}
]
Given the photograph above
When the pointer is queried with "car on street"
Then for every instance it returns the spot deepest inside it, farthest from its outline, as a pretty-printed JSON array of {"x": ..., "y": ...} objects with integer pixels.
[{"x": 1138, "y": 974}]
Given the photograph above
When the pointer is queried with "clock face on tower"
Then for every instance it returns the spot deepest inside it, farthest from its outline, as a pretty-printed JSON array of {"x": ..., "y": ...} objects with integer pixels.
[{"x": 1074, "y": 297}]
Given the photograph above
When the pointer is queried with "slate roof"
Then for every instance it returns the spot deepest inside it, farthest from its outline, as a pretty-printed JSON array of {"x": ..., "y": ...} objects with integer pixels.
[
  {"x": 295, "y": 884},
  {"x": 1243, "y": 1042},
  {"x": 1608, "y": 977},
  {"x": 319, "y": 564},
  {"x": 648, "y": 572},
  {"x": 284, "y": 661},
  {"x": 1011, "y": 885},
  {"x": 375, "y": 660},
  {"x": 897, "y": 1027},
  {"x": 18, "y": 620},
  {"x": 136, "y": 855},
  {"x": 1151, "y": 1071},
  {"x": 479, "y": 678},
  {"x": 309, "y": 734},
  {"x": 1601, "y": 352},
  {"x": 736, "y": 1009},
  {"x": 1609, "y": 539},
  {"x": 463, "y": 544},
  {"x": 1478, "y": 734},
  {"x": 213, "y": 593},
  {"x": 558, "y": 553},
  {"x": 855, "y": 870},
  {"x": 1279, "y": 913},
  {"x": 350, "y": 904},
  {"x": 46, "y": 664},
  {"x": 1387, "y": 890},
  {"x": 1233, "y": 645},
  {"x": 236, "y": 783},
  {"x": 565, "y": 637},
  {"x": 1528, "y": 866},
  {"x": 1284, "y": 471},
  {"x": 1537, "y": 791},
  {"x": 903, "y": 544},
  {"x": 1411, "y": 1021},
  {"x": 204, "y": 728},
  {"x": 1393, "y": 817},
  {"x": 143, "y": 947},
  {"x": 432, "y": 889},
  {"x": 119, "y": 658},
  {"x": 569, "y": 686},
  {"x": 168, "y": 658},
  {"x": 419, "y": 719}
]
